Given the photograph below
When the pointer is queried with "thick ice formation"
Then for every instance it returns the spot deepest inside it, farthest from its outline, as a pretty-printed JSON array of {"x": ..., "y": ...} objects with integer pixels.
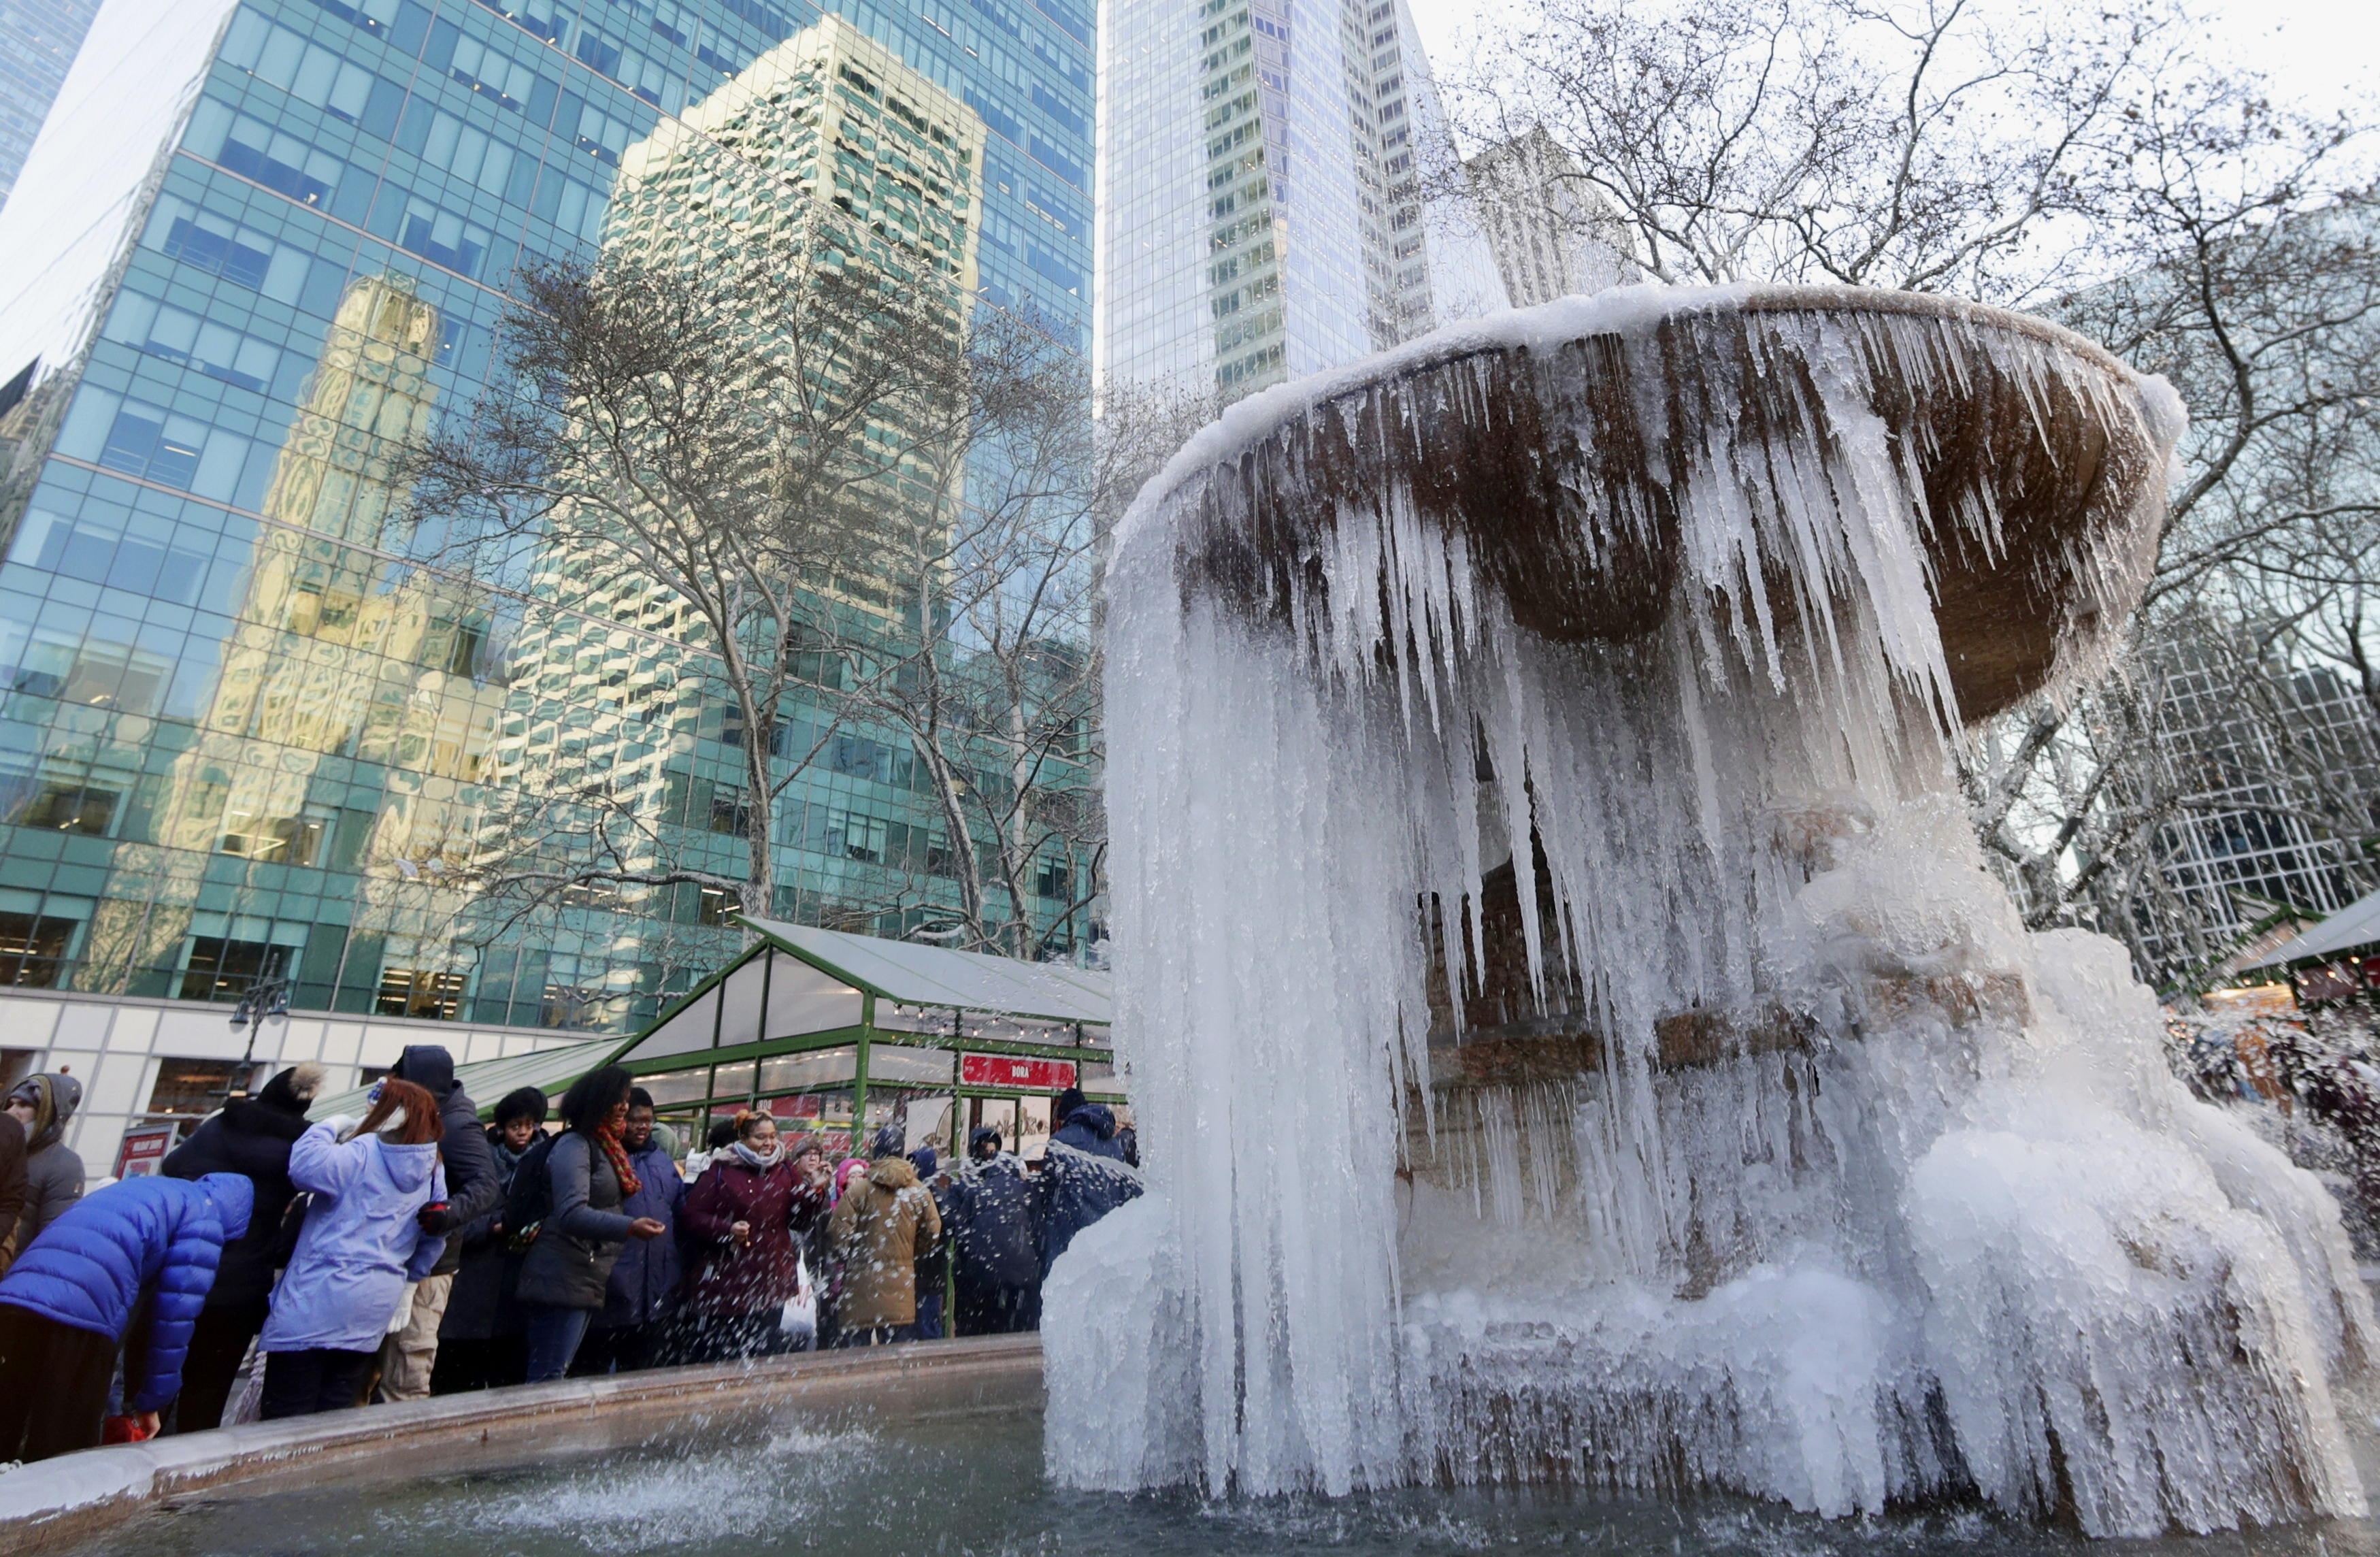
[{"x": 1864, "y": 1194}]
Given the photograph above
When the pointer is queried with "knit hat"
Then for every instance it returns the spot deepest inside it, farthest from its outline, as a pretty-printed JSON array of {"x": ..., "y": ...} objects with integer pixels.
[
  {"x": 925, "y": 1161},
  {"x": 889, "y": 1142},
  {"x": 1068, "y": 1102}
]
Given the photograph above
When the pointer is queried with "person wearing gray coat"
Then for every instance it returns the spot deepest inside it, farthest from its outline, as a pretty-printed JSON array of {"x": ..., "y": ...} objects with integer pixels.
[
  {"x": 576, "y": 1243},
  {"x": 42, "y": 1104}
]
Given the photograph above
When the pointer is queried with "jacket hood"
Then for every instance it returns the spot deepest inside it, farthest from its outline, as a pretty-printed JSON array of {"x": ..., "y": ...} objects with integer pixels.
[
  {"x": 427, "y": 1066},
  {"x": 1098, "y": 1118},
  {"x": 55, "y": 1099},
  {"x": 893, "y": 1173},
  {"x": 410, "y": 1166},
  {"x": 293, "y": 1090},
  {"x": 235, "y": 1201},
  {"x": 254, "y": 1116}
]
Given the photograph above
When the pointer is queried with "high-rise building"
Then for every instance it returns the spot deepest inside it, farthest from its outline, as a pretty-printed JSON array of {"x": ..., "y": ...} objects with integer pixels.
[
  {"x": 1272, "y": 199},
  {"x": 37, "y": 40},
  {"x": 1553, "y": 234},
  {"x": 248, "y": 727}
]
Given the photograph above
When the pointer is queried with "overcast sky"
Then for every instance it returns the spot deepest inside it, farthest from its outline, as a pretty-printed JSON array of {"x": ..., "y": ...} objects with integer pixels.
[{"x": 2321, "y": 51}]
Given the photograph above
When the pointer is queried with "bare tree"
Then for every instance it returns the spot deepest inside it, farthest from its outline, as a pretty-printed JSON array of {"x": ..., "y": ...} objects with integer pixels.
[
  {"x": 2099, "y": 167},
  {"x": 992, "y": 675},
  {"x": 827, "y": 503}
]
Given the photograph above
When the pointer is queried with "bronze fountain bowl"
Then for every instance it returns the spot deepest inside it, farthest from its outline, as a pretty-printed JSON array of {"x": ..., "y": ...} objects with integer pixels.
[{"x": 1565, "y": 457}]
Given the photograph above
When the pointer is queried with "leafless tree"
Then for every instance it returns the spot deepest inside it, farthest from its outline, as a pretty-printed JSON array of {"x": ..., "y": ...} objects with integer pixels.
[
  {"x": 828, "y": 503},
  {"x": 2102, "y": 166}
]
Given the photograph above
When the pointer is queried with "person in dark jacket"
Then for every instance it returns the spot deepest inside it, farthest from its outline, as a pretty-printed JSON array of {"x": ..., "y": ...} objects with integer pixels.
[
  {"x": 251, "y": 1136},
  {"x": 997, "y": 1240},
  {"x": 569, "y": 1264},
  {"x": 480, "y": 1343},
  {"x": 44, "y": 1104},
  {"x": 12, "y": 1183},
  {"x": 639, "y": 1298},
  {"x": 1084, "y": 1175},
  {"x": 748, "y": 1221},
  {"x": 129, "y": 1265},
  {"x": 472, "y": 1190},
  {"x": 933, "y": 1258}
]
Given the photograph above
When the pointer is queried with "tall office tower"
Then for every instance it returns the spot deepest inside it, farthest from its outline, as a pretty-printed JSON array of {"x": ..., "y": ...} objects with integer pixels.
[
  {"x": 1269, "y": 199},
  {"x": 250, "y": 727},
  {"x": 1553, "y": 234},
  {"x": 827, "y": 150},
  {"x": 37, "y": 40}
]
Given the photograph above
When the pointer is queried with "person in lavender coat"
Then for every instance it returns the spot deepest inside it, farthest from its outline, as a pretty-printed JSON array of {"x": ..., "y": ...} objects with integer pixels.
[{"x": 361, "y": 1244}]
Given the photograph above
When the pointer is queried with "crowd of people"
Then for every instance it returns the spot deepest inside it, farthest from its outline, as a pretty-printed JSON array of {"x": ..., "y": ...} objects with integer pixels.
[{"x": 413, "y": 1251}]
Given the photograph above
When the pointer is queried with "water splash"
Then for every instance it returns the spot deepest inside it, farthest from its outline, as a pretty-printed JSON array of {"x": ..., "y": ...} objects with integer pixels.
[{"x": 1850, "y": 1190}]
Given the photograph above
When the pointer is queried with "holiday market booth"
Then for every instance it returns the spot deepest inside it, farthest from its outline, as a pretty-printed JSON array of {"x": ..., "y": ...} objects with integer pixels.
[{"x": 843, "y": 1034}]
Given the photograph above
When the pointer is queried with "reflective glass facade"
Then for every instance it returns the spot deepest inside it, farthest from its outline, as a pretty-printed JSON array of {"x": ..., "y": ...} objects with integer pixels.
[
  {"x": 1263, "y": 216},
  {"x": 37, "y": 40},
  {"x": 246, "y": 726}
]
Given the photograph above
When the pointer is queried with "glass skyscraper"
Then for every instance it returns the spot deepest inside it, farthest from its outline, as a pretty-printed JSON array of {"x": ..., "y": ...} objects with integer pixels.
[
  {"x": 1266, "y": 204},
  {"x": 37, "y": 40},
  {"x": 248, "y": 727}
]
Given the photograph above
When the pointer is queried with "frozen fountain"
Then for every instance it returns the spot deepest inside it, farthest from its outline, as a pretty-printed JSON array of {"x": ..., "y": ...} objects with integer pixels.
[{"x": 1571, "y": 1030}]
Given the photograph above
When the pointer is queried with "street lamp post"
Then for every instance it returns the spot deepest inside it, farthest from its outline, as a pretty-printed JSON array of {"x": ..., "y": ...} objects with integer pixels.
[{"x": 263, "y": 1000}]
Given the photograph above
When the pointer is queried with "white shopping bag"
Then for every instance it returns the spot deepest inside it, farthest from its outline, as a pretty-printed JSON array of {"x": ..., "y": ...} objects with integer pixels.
[{"x": 800, "y": 1318}]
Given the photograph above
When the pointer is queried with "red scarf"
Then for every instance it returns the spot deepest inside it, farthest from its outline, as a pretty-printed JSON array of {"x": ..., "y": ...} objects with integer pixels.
[{"x": 609, "y": 1139}]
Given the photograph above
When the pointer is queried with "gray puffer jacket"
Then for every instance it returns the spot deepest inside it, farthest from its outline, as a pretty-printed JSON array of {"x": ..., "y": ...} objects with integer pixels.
[
  {"x": 580, "y": 1239},
  {"x": 52, "y": 1170}
]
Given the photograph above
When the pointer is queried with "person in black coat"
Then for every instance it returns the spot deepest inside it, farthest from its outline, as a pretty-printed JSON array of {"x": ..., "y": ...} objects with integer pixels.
[
  {"x": 13, "y": 1184},
  {"x": 480, "y": 1343},
  {"x": 251, "y": 1136},
  {"x": 474, "y": 1188},
  {"x": 995, "y": 1231}
]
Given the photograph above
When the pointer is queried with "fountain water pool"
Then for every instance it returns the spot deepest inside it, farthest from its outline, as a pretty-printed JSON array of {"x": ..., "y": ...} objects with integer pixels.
[
  {"x": 975, "y": 1486},
  {"x": 1570, "y": 1024}
]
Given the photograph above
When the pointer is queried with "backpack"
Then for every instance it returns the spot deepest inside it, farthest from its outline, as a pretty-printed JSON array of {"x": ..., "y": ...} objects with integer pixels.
[{"x": 530, "y": 1199}]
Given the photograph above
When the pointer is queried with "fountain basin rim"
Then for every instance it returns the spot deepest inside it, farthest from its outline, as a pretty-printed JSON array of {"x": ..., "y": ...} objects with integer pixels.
[
  {"x": 1623, "y": 311},
  {"x": 57, "y": 1504}
]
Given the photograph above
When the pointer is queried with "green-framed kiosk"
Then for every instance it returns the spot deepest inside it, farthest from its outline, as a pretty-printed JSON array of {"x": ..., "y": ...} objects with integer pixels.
[{"x": 843, "y": 1033}]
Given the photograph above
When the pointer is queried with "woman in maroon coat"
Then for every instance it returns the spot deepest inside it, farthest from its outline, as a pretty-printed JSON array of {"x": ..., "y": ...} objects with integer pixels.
[{"x": 748, "y": 1220}]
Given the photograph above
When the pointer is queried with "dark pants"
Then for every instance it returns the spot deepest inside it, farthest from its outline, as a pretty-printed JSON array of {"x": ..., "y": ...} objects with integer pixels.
[
  {"x": 553, "y": 1335},
  {"x": 929, "y": 1315},
  {"x": 218, "y": 1341},
  {"x": 53, "y": 1383},
  {"x": 622, "y": 1349},
  {"x": 990, "y": 1310},
  {"x": 304, "y": 1383},
  {"x": 484, "y": 1363}
]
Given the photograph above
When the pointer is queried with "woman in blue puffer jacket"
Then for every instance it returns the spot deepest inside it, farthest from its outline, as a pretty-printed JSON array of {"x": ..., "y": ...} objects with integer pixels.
[
  {"x": 360, "y": 1245},
  {"x": 72, "y": 1296}
]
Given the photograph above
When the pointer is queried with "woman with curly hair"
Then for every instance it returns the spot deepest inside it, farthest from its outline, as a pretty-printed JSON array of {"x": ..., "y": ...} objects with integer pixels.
[{"x": 576, "y": 1243}]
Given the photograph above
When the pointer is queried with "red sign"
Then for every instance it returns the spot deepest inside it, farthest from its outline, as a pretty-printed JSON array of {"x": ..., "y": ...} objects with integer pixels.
[
  {"x": 143, "y": 1150},
  {"x": 1012, "y": 1071}
]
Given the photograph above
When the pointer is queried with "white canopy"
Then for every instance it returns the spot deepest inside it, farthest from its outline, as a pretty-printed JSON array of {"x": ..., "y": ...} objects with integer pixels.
[
  {"x": 916, "y": 975},
  {"x": 2357, "y": 924}
]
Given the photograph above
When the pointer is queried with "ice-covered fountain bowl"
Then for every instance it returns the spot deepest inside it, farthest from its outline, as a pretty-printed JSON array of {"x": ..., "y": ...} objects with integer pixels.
[{"x": 1560, "y": 446}]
